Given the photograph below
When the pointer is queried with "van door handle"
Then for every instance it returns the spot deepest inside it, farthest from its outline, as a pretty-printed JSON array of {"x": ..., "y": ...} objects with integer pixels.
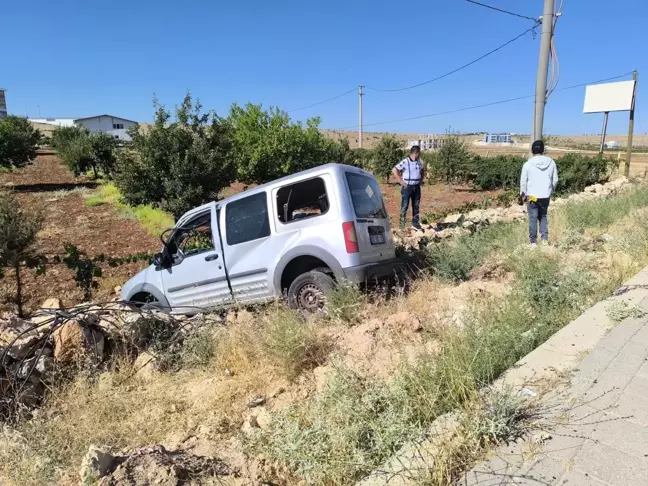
[{"x": 211, "y": 258}]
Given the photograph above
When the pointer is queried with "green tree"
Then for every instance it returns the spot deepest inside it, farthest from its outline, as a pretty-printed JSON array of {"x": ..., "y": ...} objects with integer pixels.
[
  {"x": 386, "y": 155},
  {"x": 453, "y": 158},
  {"x": 82, "y": 150},
  {"x": 268, "y": 145},
  {"x": 18, "y": 231},
  {"x": 177, "y": 165},
  {"x": 18, "y": 141}
]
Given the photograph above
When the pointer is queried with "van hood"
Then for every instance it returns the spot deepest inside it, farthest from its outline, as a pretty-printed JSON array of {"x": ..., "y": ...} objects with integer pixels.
[{"x": 542, "y": 162}]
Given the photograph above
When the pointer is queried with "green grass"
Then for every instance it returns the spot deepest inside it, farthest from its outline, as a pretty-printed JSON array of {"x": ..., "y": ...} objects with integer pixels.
[{"x": 153, "y": 220}]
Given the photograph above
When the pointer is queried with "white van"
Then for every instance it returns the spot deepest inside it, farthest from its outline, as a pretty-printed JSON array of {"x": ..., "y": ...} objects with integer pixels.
[{"x": 294, "y": 236}]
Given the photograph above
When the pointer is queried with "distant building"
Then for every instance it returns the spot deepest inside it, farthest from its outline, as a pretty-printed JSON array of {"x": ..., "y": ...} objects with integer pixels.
[
  {"x": 612, "y": 144},
  {"x": 59, "y": 122},
  {"x": 497, "y": 138},
  {"x": 3, "y": 103},
  {"x": 112, "y": 125},
  {"x": 426, "y": 142}
]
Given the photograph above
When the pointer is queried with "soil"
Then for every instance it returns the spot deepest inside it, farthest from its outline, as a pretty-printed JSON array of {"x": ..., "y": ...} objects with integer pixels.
[{"x": 47, "y": 186}]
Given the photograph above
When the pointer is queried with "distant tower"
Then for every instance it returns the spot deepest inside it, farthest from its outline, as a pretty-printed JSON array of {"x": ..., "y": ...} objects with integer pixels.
[{"x": 3, "y": 103}]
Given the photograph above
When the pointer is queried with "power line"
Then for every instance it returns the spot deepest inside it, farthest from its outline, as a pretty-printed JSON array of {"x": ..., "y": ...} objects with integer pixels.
[
  {"x": 492, "y": 103},
  {"x": 461, "y": 67},
  {"x": 502, "y": 10},
  {"x": 325, "y": 101}
]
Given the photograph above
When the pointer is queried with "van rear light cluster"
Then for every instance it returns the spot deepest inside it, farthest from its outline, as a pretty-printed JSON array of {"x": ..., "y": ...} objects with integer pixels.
[{"x": 350, "y": 237}]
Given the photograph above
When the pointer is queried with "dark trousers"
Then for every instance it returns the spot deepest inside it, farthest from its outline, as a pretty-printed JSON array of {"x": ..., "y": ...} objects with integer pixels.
[
  {"x": 412, "y": 193},
  {"x": 538, "y": 214}
]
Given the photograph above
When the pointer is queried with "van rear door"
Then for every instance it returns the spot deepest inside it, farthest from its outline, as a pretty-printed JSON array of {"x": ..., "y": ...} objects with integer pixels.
[{"x": 372, "y": 222}]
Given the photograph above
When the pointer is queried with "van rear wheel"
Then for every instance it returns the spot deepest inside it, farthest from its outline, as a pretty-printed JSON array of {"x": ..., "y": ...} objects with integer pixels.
[{"x": 308, "y": 291}]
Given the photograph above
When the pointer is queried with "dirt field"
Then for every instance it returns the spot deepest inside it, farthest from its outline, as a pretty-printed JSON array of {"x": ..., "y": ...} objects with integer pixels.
[{"x": 47, "y": 186}]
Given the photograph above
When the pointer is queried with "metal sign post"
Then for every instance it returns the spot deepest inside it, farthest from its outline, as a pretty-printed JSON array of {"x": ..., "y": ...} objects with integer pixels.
[{"x": 605, "y": 119}]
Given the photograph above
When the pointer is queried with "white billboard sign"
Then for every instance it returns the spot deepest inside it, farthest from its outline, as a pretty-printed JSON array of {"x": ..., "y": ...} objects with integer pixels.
[{"x": 601, "y": 98}]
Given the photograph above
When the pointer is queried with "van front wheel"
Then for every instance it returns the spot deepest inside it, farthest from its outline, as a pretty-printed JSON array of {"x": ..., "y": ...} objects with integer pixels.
[{"x": 308, "y": 291}]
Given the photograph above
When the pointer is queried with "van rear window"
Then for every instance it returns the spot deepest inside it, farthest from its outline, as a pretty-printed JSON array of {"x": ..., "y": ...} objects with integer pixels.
[{"x": 366, "y": 196}]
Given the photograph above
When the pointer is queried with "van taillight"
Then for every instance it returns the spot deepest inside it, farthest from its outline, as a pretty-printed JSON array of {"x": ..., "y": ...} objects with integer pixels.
[{"x": 350, "y": 237}]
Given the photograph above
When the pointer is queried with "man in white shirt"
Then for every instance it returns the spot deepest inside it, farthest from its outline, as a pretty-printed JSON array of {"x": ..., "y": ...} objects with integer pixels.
[
  {"x": 537, "y": 182},
  {"x": 409, "y": 173}
]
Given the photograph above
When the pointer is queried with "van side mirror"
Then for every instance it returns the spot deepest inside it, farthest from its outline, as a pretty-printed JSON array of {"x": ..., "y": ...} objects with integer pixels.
[{"x": 157, "y": 259}]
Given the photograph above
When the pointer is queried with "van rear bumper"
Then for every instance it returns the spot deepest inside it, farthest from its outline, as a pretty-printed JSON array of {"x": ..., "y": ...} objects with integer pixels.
[{"x": 375, "y": 271}]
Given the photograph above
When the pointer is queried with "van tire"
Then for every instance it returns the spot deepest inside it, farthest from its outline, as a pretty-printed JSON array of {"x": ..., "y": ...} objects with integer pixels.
[{"x": 308, "y": 291}]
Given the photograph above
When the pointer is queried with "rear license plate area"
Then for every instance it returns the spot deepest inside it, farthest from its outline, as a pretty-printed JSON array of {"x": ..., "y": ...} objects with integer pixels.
[{"x": 376, "y": 235}]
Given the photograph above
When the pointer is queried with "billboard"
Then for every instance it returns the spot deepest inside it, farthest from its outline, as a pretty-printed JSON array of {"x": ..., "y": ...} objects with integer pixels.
[
  {"x": 3, "y": 104},
  {"x": 601, "y": 98}
]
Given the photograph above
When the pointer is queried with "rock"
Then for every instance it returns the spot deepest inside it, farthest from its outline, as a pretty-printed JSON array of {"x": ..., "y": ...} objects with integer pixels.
[
  {"x": 145, "y": 366},
  {"x": 256, "y": 402},
  {"x": 72, "y": 339},
  {"x": 41, "y": 364},
  {"x": 475, "y": 216},
  {"x": 250, "y": 424},
  {"x": 21, "y": 347},
  {"x": 95, "y": 464},
  {"x": 263, "y": 418},
  {"x": 405, "y": 321},
  {"x": 157, "y": 466},
  {"x": 605, "y": 238},
  {"x": 52, "y": 303},
  {"x": 452, "y": 219}
]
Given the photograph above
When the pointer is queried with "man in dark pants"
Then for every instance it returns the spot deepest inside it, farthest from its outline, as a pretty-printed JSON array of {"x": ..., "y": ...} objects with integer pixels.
[
  {"x": 537, "y": 182},
  {"x": 409, "y": 173}
]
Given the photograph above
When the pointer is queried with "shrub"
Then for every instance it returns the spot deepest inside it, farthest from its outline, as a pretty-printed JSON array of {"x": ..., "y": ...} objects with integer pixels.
[
  {"x": 577, "y": 171},
  {"x": 363, "y": 158},
  {"x": 344, "y": 301},
  {"x": 453, "y": 158},
  {"x": 18, "y": 141},
  {"x": 82, "y": 150},
  {"x": 386, "y": 155},
  {"x": 500, "y": 172},
  {"x": 268, "y": 145},
  {"x": 177, "y": 165},
  {"x": 18, "y": 231}
]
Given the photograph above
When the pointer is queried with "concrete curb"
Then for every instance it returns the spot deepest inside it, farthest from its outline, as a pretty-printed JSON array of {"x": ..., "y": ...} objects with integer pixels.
[{"x": 560, "y": 353}]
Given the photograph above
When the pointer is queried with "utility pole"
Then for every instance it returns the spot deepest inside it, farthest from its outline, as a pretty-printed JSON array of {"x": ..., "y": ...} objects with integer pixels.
[
  {"x": 631, "y": 126},
  {"x": 605, "y": 120},
  {"x": 543, "y": 69},
  {"x": 360, "y": 94}
]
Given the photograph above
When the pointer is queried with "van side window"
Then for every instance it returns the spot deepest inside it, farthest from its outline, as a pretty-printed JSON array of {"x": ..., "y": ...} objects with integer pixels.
[
  {"x": 194, "y": 236},
  {"x": 302, "y": 200},
  {"x": 247, "y": 219}
]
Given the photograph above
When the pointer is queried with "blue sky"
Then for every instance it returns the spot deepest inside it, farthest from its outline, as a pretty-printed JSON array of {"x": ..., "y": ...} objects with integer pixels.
[{"x": 77, "y": 58}]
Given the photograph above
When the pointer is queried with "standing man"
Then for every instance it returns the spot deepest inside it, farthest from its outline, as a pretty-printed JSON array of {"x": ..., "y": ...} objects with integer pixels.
[
  {"x": 409, "y": 173},
  {"x": 537, "y": 183}
]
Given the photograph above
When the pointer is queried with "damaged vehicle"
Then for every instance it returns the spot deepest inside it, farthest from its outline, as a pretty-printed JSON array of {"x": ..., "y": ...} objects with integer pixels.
[{"x": 296, "y": 237}]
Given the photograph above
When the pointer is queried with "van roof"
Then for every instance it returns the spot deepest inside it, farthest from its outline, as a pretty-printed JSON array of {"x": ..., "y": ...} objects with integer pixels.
[{"x": 283, "y": 180}]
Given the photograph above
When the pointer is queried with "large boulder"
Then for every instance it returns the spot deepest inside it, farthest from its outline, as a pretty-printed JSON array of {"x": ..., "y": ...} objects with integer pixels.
[
  {"x": 73, "y": 339},
  {"x": 18, "y": 336}
]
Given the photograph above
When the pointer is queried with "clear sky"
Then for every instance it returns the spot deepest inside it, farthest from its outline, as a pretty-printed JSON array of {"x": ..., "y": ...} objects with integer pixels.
[{"x": 80, "y": 58}]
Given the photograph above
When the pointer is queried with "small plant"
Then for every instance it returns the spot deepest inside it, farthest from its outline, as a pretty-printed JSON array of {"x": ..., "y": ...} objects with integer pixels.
[
  {"x": 343, "y": 303},
  {"x": 18, "y": 230},
  {"x": 291, "y": 344},
  {"x": 619, "y": 310}
]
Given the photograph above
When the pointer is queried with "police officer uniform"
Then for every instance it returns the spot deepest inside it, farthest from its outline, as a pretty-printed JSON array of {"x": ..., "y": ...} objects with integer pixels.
[{"x": 412, "y": 175}]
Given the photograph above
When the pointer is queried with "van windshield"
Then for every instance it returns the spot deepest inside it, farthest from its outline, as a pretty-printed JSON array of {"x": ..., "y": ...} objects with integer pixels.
[{"x": 366, "y": 196}]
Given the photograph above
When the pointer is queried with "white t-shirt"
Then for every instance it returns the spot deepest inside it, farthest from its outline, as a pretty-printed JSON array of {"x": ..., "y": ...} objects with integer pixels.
[{"x": 411, "y": 171}]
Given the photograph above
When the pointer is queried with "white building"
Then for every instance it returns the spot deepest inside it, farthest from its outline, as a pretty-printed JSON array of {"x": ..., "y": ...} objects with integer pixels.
[
  {"x": 113, "y": 125},
  {"x": 59, "y": 122},
  {"x": 497, "y": 138}
]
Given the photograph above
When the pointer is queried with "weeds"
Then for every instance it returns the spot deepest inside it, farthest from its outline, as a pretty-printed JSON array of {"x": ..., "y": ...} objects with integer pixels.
[
  {"x": 291, "y": 344},
  {"x": 344, "y": 302},
  {"x": 155, "y": 221},
  {"x": 620, "y": 310}
]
